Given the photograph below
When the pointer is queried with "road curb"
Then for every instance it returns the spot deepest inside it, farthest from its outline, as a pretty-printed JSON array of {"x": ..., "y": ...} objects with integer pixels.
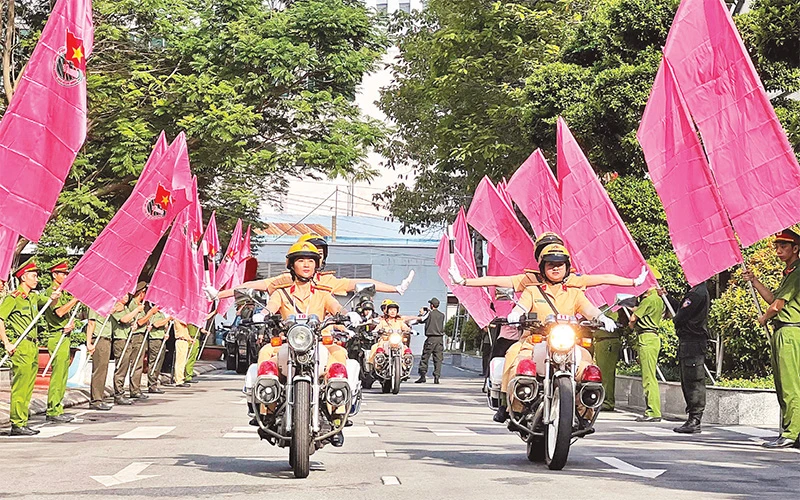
[{"x": 76, "y": 397}]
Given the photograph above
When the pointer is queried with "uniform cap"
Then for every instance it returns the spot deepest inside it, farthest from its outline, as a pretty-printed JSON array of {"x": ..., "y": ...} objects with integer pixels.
[
  {"x": 544, "y": 240},
  {"x": 554, "y": 253},
  {"x": 788, "y": 236},
  {"x": 61, "y": 267},
  {"x": 387, "y": 303},
  {"x": 28, "y": 265},
  {"x": 140, "y": 287},
  {"x": 434, "y": 302}
]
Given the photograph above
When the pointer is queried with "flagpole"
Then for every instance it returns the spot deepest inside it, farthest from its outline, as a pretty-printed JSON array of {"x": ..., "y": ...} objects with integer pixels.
[
  {"x": 138, "y": 355},
  {"x": 161, "y": 349},
  {"x": 208, "y": 334},
  {"x": 60, "y": 341},
  {"x": 197, "y": 336}
]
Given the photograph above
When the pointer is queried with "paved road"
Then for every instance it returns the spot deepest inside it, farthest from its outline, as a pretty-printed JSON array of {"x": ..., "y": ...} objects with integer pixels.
[{"x": 435, "y": 441}]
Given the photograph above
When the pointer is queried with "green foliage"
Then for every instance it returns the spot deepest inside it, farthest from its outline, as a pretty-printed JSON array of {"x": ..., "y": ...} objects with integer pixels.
[
  {"x": 469, "y": 334},
  {"x": 747, "y": 383},
  {"x": 264, "y": 94},
  {"x": 746, "y": 349}
]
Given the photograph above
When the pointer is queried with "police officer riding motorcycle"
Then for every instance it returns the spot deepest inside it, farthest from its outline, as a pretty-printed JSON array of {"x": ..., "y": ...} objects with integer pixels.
[{"x": 390, "y": 357}]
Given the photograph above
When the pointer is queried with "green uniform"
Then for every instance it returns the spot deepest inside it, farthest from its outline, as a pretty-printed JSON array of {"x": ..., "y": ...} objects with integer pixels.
[
  {"x": 649, "y": 314},
  {"x": 123, "y": 356},
  {"x": 17, "y": 312},
  {"x": 194, "y": 351},
  {"x": 101, "y": 338},
  {"x": 59, "y": 368},
  {"x": 154, "y": 362},
  {"x": 606, "y": 355},
  {"x": 137, "y": 352},
  {"x": 785, "y": 345}
]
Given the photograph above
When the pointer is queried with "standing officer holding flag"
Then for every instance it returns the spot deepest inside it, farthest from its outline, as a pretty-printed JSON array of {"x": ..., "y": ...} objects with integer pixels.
[
  {"x": 17, "y": 312},
  {"x": 60, "y": 324}
]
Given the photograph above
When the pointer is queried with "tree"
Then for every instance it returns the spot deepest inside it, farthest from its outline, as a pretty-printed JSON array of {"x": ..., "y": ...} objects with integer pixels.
[{"x": 264, "y": 94}]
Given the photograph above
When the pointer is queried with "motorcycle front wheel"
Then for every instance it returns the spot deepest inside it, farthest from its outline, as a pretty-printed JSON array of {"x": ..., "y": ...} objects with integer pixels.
[
  {"x": 558, "y": 433},
  {"x": 299, "y": 456},
  {"x": 397, "y": 374},
  {"x": 367, "y": 381}
]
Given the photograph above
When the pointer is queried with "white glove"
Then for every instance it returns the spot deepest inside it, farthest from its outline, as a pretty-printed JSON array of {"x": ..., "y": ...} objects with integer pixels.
[
  {"x": 514, "y": 316},
  {"x": 608, "y": 324},
  {"x": 455, "y": 275},
  {"x": 403, "y": 286},
  {"x": 211, "y": 292},
  {"x": 642, "y": 276}
]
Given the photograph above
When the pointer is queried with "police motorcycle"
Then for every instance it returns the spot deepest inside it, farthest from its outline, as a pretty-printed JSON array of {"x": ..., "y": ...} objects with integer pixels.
[
  {"x": 393, "y": 359},
  {"x": 359, "y": 344},
  {"x": 294, "y": 399},
  {"x": 547, "y": 407}
]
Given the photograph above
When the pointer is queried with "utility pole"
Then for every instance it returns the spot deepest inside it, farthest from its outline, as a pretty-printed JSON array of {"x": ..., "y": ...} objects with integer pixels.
[{"x": 335, "y": 213}]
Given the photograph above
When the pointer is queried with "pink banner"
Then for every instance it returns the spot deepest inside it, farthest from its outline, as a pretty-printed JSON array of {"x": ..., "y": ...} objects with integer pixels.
[
  {"x": 534, "y": 189},
  {"x": 44, "y": 126},
  {"x": 8, "y": 246},
  {"x": 111, "y": 266},
  {"x": 491, "y": 216},
  {"x": 590, "y": 224},
  {"x": 701, "y": 234},
  {"x": 463, "y": 239},
  {"x": 211, "y": 246},
  {"x": 229, "y": 267},
  {"x": 475, "y": 300},
  {"x": 754, "y": 166}
]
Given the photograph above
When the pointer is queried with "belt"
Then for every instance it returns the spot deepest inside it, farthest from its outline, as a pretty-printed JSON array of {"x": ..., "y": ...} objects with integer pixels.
[{"x": 780, "y": 324}]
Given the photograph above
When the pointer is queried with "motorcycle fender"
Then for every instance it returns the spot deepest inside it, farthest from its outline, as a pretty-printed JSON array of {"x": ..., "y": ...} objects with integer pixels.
[
  {"x": 496, "y": 367},
  {"x": 354, "y": 375},
  {"x": 250, "y": 378},
  {"x": 323, "y": 360}
]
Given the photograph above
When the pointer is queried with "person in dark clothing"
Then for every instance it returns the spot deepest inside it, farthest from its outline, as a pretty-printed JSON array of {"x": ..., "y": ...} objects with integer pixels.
[
  {"x": 434, "y": 342},
  {"x": 690, "y": 325}
]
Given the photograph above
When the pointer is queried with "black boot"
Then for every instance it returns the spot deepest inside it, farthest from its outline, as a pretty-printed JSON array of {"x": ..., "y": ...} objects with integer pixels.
[
  {"x": 435, "y": 380},
  {"x": 337, "y": 440},
  {"x": 501, "y": 415},
  {"x": 420, "y": 380},
  {"x": 691, "y": 426}
]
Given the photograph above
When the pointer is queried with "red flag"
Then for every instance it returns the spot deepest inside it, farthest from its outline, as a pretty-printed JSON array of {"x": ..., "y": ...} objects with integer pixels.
[
  {"x": 176, "y": 286},
  {"x": 698, "y": 225},
  {"x": 44, "y": 126},
  {"x": 754, "y": 166},
  {"x": 491, "y": 216},
  {"x": 475, "y": 300},
  {"x": 8, "y": 245},
  {"x": 111, "y": 266},
  {"x": 534, "y": 189},
  {"x": 590, "y": 224}
]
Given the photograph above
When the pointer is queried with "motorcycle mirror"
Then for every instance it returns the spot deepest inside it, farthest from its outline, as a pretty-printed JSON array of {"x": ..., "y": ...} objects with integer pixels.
[
  {"x": 625, "y": 300},
  {"x": 355, "y": 319},
  {"x": 259, "y": 318},
  {"x": 365, "y": 289},
  {"x": 243, "y": 293},
  {"x": 504, "y": 293}
]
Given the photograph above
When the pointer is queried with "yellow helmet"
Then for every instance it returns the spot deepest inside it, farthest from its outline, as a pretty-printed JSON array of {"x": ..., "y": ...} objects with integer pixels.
[
  {"x": 319, "y": 242},
  {"x": 554, "y": 253},
  {"x": 387, "y": 303},
  {"x": 543, "y": 241},
  {"x": 302, "y": 249}
]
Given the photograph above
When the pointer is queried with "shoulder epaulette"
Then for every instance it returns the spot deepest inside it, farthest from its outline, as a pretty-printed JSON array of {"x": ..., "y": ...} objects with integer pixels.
[
  {"x": 16, "y": 293},
  {"x": 326, "y": 273},
  {"x": 533, "y": 271},
  {"x": 324, "y": 288},
  {"x": 284, "y": 285}
]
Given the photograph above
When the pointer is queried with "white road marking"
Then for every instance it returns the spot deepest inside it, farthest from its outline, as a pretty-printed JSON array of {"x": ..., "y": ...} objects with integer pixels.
[
  {"x": 248, "y": 428},
  {"x": 459, "y": 368},
  {"x": 751, "y": 431},
  {"x": 369, "y": 422},
  {"x": 631, "y": 470},
  {"x": 358, "y": 431},
  {"x": 380, "y": 453},
  {"x": 390, "y": 480},
  {"x": 126, "y": 475},
  {"x": 451, "y": 432},
  {"x": 146, "y": 432},
  {"x": 248, "y": 432},
  {"x": 241, "y": 401},
  {"x": 48, "y": 431}
]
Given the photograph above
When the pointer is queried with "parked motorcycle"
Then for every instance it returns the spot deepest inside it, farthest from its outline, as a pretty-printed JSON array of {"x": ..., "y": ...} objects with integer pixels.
[
  {"x": 393, "y": 359},
  {"x": 297, "y": 403}
]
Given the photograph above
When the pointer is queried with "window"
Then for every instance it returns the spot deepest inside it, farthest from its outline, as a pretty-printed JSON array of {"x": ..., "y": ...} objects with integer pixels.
[
  {"x": 405, "y": 7},
  {"x": 382, "y": 7},
  {"x": 350, "y": 271}
]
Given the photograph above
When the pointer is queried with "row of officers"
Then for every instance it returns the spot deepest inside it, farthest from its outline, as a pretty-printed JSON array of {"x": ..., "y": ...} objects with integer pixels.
[{"x": 132, "y": 333}]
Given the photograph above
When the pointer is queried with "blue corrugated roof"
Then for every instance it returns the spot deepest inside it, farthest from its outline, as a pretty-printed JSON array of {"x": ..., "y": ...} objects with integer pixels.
[{"x": 349, "y": 229}]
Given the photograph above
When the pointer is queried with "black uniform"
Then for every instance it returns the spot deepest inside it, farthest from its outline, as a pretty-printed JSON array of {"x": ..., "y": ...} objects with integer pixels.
[
  {"x": 690, "y": 325},
  {"x": 434, "y": 343}
]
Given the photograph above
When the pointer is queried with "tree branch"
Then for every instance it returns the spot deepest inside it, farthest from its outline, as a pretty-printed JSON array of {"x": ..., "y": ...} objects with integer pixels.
[{"x": 7, "y": 49}]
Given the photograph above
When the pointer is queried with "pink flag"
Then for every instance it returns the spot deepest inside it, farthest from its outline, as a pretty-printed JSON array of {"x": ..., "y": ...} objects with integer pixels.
[
  {"x": 463, "y": 240},
  {"x": 754, "y": 166},
  {"x": 8, "y": 246},
  {"x": 211, "y": 246},
  {"x": 176, "y": 286},
  {"x": 45, "y": 123},
  {"x": 701, "y": 234},
  {"x": 590, "y": 224},
  {"x": 227, "y": 267},
  {"x": 475, "y": 300},
  {"x": 534, "y": 189},
  {"x": 242, "y": 255},
  {"x": 491, "y": 216},
  {"x": 111, "y": 266}
]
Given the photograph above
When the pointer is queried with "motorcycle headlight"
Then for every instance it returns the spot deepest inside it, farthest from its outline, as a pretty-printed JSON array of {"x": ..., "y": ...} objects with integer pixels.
[
  {"x": 561, "y": 338},
  {"x": 300, "y": 338},
  {"x": 395, "y": 339}
]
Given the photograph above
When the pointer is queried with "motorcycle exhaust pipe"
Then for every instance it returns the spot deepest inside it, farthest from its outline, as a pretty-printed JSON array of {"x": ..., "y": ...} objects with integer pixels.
[
  {"x": 592, "y": 395},
  {"x": 267, "y": 390},
  {"x": 524, "y": 389}
]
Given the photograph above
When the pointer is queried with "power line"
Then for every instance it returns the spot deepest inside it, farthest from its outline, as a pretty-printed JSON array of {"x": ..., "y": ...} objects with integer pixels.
[{"x": 306, "y": 215}]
